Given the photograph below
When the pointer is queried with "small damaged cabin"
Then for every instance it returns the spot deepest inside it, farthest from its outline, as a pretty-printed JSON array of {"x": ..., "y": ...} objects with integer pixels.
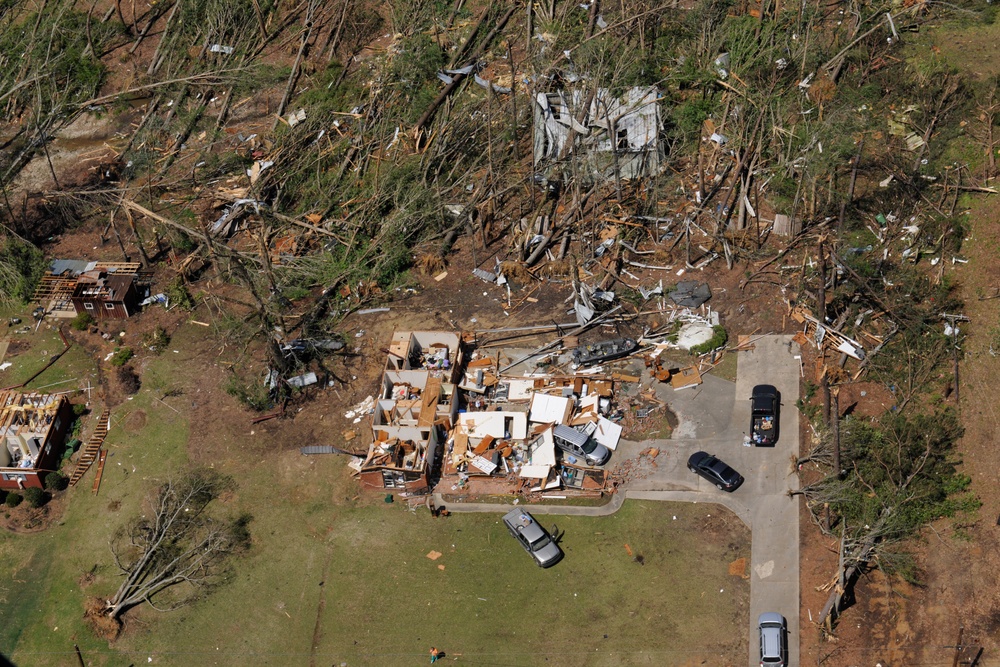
[
  {"x": 32, "y": 427},
  {"x": 618, "y": 137},
  {"x": 416, "y": 407},
  {"x": 106, "y": 295}
]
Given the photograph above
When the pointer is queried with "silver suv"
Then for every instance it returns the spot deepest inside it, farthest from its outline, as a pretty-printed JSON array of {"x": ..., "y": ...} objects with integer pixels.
[
  {"x": 773, "y": 648},
  {"x": 535, "y": 539},
  {"x": 580, "y": 444}
]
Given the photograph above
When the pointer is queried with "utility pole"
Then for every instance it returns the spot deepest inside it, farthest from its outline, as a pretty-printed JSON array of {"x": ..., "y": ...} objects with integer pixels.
[
  {"x": 821, "y": 316},
  {"x": 835, "y": 422},
  {"x": 952, "y": 322},
  {"x": 958, "y": 647}
]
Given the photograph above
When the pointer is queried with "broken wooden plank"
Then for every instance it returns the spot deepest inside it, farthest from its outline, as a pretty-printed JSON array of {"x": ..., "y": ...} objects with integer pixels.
[{"x": 100, "y": 471}]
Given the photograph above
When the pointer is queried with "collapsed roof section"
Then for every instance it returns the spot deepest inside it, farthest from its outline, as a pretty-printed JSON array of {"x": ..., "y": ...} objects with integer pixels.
[
  {"x": 613, "y": 135},
  {"x": 513, "y": 425},
  {"x": 31, "y": 427},
  {"x": 417, "y": 397},
  {"x": 69, "y": 285}
]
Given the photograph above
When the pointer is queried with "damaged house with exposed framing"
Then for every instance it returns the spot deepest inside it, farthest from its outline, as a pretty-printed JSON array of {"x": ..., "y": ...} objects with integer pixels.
[
  {"x": 438, "y": 419},
  {"x": 32, "y": 429},
  {"x": 103, "y": 290},
  {"x": 505, "y": 439},
  {"x": 416, "y": 408},
  {"x": 613, "y": 137}
]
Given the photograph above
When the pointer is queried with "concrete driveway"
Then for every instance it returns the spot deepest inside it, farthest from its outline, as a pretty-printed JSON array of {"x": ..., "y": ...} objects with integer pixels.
[{"x": 715, "y": 417}]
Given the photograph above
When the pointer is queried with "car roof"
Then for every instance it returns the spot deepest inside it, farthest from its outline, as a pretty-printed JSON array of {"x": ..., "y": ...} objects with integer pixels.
[
  {"x": 525, "y": 524},
  {"x": 570, "y": 434},
  {"x": 771, "y": 617},
  {"x": 722, "y": 469}
]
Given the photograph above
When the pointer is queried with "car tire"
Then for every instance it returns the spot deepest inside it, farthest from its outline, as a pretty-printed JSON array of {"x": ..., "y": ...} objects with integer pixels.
[{"x": 720, "y": 487}]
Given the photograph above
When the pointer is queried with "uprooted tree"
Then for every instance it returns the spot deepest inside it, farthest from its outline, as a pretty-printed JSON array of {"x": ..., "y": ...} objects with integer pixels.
[
  {"x": 174, "y": 551},
  {"x": 897, "y": 476}
]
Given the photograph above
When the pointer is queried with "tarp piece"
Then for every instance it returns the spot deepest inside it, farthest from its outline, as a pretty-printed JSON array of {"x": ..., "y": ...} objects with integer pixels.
[{"x": 691, "y": 293}]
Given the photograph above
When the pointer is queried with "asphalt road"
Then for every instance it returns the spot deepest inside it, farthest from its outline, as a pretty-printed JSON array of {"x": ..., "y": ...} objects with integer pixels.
[{"x": 715, "y": 417}]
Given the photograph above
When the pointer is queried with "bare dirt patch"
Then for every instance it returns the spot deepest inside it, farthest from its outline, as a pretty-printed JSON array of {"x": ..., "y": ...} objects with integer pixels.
[
  {"x": 136, "y": 421},
  {"x": 26, "y": 519}
]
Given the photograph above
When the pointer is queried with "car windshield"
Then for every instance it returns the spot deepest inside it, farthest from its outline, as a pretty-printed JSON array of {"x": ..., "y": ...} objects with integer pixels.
[
  {"x": 589, "y": 446},
  {"x": 541, "y": 542}
]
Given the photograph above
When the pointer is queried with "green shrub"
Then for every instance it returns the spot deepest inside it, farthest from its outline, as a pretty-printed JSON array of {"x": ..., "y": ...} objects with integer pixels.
[
  {"x": 156, "y": 340},
  {"x": 718, "y": 339},
  {"x": 253, "y": 395},
  {"x": 179, "y": 296},
  {"x": 296, "y": 293},
  {"x": 56, "y": 481},
  {"x": 13, "y": 499},
  {"x": 36, "y": 497},
  {"x": 82, "y": 321},
  {"x": 22, "y": 266},
  {"x": 121, "y": 356}
]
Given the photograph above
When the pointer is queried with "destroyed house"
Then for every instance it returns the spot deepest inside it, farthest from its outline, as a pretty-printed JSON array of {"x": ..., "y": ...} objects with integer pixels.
[
  {"x": 616, "y": 136},
  {"x": 417, "y": 404},
  {"x": 505, "y": 441},
  {"x": 32, "y": 429},
  {"x": 104, "y": 290}
]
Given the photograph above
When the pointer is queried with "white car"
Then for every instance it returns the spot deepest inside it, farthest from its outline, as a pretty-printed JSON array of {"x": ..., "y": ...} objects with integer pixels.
[{"x": 773, "y": 642}]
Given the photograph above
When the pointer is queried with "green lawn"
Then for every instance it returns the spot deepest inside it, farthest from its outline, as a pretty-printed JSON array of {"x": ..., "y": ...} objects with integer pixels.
[{"x": 335, "y": 577}]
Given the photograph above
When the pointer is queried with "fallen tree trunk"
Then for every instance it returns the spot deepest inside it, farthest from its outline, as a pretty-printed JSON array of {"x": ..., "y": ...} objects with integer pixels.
[
  {"x": 457, "y": 79},
  {"x": 294, "y": 75}
]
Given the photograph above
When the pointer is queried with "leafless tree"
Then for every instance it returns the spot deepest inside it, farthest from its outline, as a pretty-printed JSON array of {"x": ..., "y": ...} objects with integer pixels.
[{"x": 174, "y": 545}]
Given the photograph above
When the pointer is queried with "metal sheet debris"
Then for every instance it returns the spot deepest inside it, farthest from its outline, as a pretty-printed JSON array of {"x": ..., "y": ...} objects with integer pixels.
[
  {"x": 691, "y": 293},
  {"x": 303, "y": 380},
  {"x": 485, "y": 275}
]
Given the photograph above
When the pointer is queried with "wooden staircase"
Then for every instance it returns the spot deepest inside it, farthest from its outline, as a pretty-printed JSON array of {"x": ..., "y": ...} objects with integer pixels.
[{"x": 90, "y": 451}]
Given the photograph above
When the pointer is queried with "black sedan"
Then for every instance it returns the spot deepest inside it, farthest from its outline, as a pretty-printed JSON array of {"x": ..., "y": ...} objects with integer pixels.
[{"x": 715, "y": 471}]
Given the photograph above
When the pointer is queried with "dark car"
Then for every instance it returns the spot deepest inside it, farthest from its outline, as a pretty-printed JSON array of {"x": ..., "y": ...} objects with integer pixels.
[
  {"x": 765, "y": 402},
  {"x": 535, "y": 539},
  {"x": 715, "y": 471},
  {"x": 773, "y": 643}
]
